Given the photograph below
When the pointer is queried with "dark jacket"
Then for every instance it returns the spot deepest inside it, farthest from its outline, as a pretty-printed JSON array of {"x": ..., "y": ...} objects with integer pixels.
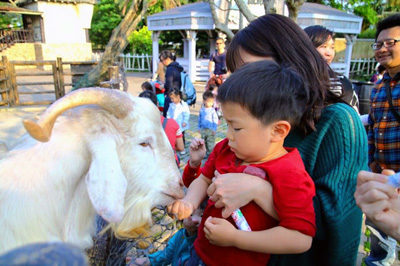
[{"x": 173, "y": 76}]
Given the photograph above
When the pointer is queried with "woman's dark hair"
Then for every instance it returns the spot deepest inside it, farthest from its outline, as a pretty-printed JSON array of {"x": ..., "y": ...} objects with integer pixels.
[
  {"x": 147, "y": 86},
  {"x": 281, "y": 39},
  {"x": 149, "y": 95},
  {"x": 318, "y": 35},
  {"x": 268, "y": 91},
  {"x": 167, "y": 54},
  {"x": 387, "y": 23}
]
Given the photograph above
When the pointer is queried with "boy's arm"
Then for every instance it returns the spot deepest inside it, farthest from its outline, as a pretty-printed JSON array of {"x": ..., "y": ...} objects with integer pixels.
[
  {"x": 165, "y": 256},
  {"x": 277, "y": 240},
  {"x": 194, "y": 196}
]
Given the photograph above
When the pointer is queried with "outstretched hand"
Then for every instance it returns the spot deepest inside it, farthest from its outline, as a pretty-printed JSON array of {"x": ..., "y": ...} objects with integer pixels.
[
  {"x": 181, "y": 209},
  {"x": 379, "y": 201}
]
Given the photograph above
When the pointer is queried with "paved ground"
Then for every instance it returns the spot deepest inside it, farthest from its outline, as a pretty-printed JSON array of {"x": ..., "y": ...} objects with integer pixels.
[{"x": 11, "y": 128}]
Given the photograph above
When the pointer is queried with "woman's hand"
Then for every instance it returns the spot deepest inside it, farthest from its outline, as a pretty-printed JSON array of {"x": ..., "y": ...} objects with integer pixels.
[
  {"x": 379, "y": 201},
  {"x": 219, "y": 231},
  {"x": 234, "y": 190}
]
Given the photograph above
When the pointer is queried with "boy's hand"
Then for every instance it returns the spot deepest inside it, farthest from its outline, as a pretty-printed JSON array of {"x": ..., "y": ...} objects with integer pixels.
[
  {"x": 219, "y": 231},
  {"x": 181, "y": 209},
  {"x": 144, "y": 261},
  {"x": 197, "y": 152}
]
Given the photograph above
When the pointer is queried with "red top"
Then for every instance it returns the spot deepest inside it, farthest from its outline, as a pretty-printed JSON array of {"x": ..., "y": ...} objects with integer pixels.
[
  {"x": 172, "y": 130},
  {"x": 293, "y": 191}
]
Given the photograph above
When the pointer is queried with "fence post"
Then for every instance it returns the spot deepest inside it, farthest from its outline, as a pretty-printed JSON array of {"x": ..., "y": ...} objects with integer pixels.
[
  {"x": 13, "y": 82},
  {"x": 60, "y": 77}
]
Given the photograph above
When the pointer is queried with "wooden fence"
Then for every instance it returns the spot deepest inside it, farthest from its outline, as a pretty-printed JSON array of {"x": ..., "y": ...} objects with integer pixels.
[{"x": 16, "y": 76}]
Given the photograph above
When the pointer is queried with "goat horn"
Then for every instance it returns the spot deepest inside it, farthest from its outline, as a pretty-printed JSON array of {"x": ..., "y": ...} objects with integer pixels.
[{"x": 116, "y": 102}]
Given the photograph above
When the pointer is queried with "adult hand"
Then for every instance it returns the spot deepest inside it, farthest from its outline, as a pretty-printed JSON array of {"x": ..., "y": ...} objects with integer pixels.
[
  {"x": 379, "y": 201},
  {"x": 234, "y": 190},
  {"x": 197, "y": 152}
]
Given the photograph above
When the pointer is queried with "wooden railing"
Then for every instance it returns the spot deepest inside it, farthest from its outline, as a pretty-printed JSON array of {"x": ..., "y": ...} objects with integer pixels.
[
  {"x": 20, "y": 79},
  {"x": 10, "y": 37}
]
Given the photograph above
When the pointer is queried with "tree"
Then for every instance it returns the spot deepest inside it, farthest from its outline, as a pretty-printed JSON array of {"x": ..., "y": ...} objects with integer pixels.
[
  {"x": 132, "y": 13},
  {"x": 293, "y": 6},
  {"x": 141, "y": 41}
]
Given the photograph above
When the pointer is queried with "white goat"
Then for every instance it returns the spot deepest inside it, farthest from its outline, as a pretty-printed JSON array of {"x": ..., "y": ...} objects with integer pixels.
[{"x": 115, "y": 160}]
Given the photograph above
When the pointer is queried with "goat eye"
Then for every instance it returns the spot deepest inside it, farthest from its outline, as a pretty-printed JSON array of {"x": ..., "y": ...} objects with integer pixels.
[{"x": 145, "y": 144}]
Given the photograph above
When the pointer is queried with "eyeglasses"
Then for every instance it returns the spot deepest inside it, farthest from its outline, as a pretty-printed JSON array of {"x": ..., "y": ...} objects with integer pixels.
[{"x": 387, "y": 43}]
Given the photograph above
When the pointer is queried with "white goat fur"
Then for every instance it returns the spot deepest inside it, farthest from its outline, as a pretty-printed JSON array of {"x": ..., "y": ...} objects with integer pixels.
[{"x": 43, "y": 192}]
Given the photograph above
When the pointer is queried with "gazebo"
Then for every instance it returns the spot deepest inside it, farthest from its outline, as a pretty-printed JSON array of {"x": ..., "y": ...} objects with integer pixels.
[{"x": 191, "y": 18}]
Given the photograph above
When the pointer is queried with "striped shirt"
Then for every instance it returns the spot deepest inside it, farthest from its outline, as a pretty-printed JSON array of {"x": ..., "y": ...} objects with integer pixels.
[{"x": 384, "y": 130}]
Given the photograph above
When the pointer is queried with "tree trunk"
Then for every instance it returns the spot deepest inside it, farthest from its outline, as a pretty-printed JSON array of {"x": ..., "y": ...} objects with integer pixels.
[
  {"x": 116, "y": 45},
  {"x": 294, "y": 8},
  {"x": 245, "y": 10},
  {"x": 218, "y": 25}
]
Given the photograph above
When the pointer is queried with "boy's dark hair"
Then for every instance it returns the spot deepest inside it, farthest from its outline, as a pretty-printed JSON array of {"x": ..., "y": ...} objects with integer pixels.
[
  {"x": 147, "y": 86},
  {"x": 149, "y": 95},
  {"x": 167, "y": 54},
  {"x": 318, "y": 34},
  {"x": 387, "y": 23},
  {"x": 268, "y": 91},
  {"x": 207, "y": 95}
]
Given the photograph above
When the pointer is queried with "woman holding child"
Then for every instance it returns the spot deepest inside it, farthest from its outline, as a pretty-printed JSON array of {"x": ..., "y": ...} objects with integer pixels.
[{"x": 331, "y": 141}]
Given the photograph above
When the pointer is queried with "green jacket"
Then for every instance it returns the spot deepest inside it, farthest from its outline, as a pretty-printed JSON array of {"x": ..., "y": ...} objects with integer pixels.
[{"x": 332, "y": 155}]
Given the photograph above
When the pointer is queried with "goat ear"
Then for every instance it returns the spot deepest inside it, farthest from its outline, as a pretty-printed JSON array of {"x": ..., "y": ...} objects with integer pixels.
[{"x": 105, "y": 180}]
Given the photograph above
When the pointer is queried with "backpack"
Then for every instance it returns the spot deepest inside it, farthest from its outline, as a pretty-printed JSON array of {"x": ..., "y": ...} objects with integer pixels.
[{"x": 187, "y": 89}]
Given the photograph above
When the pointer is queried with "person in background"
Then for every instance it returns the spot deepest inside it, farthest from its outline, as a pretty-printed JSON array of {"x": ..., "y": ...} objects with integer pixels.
[
  {"x": 217, "y": 64},
  {"x": 378, "y": 74},
  {"x": 330, "y": 138},
  {"x": 179, "y": 111},
  {"x": 384, "y": 125},
  {"x": 171, "y": 128},
  {"x": 260, "y": 103},
  {"x": 147, "y": 86},
  {"x": 159, "y": 76},
  {"x": 323, "y": 40},
  {"x": 172, "y": 76},
  {"x": 208, "y": 121},
  {"x": 178, "y": 249}
]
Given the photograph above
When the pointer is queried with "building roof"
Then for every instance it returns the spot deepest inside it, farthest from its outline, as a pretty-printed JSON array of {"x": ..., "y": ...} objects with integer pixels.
[
  {"x": 26, "y": 2},
  {"x": 197, "y": 16},
  {"x": 10, "y": 8}
]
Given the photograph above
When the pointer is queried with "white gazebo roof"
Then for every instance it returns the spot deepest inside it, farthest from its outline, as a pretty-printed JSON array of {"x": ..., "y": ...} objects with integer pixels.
[
  {"x": 331, "y": 18},
  {"x": 196, "y": 16}
]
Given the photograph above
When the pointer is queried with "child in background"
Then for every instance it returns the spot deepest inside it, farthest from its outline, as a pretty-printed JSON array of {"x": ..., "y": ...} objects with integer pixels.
[
  {"x": 147, "y": 86},
  {"x": 179, "y": 246},
  {"x": 179, "y": 111},
  {"x": 261, "y": 102},
  {"x": 208, "y": 121}
]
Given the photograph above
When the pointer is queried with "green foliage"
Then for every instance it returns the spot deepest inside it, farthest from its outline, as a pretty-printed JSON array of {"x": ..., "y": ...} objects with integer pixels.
[
  {"x": 106, "y": 16},
  {"x": 140, "y": 41},
  {"x": 368, "y": 34}
]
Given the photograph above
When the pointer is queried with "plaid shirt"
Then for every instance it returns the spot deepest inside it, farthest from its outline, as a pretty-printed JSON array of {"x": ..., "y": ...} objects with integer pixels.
[{"x": 384, "y": 130}]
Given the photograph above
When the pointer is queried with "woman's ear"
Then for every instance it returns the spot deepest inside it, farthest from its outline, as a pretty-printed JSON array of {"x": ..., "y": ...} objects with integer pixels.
[{"x": 280, "y": 130}]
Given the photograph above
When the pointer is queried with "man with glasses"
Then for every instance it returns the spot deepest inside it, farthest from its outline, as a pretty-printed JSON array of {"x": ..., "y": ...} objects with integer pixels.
[
  {"x": 217, "y": 64},
  {"x": 384, "y": 126}
]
